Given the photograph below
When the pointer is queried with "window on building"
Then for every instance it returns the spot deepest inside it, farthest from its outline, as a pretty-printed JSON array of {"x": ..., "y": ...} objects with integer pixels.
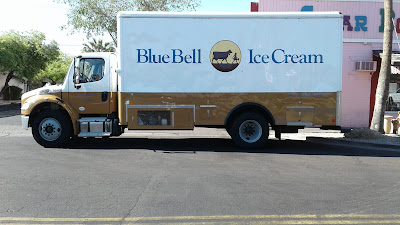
[{"x": 393, "y": 102}]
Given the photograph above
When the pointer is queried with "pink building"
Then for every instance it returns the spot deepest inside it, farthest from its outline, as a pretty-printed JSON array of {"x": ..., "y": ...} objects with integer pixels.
[{"x": 362, "y": 43}]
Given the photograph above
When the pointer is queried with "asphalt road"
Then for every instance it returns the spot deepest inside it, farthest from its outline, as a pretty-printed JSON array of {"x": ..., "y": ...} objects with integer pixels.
[{"x": 192, "y": 180}]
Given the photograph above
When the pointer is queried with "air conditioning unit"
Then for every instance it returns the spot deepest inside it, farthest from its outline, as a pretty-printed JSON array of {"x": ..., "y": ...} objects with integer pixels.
[{"x": 366, "y": 66}]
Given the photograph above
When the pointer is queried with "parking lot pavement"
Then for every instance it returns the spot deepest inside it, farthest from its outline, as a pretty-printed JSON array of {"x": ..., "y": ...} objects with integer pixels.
[{"x": 194, "y": 177}]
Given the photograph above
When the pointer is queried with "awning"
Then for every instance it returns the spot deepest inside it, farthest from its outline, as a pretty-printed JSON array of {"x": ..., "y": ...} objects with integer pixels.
[{"x": 378, "y": 52}]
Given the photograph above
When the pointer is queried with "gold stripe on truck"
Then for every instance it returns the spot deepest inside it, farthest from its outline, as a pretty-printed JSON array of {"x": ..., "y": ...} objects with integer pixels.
[{"x": 213, "y": 108}]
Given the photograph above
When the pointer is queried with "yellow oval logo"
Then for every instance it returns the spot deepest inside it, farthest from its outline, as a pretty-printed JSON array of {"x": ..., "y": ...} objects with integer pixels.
[{"x": 225, "y": 56}]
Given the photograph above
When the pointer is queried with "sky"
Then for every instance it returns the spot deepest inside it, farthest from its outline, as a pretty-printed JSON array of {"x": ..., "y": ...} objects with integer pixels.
[{"x": 48, "y": 17}]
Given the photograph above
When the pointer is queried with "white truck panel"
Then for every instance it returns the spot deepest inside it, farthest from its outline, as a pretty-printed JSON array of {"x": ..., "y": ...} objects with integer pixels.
[{"x": 263, "y": 39}]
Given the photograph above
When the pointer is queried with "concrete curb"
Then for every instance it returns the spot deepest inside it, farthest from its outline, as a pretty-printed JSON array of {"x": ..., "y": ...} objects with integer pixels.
[
  {"x": 353, "y": 143},
  {"x": 11, "y": 106}
]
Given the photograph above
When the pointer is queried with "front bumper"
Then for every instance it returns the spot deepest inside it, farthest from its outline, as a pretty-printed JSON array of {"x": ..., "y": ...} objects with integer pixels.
[{"x": 25, "y": 121}]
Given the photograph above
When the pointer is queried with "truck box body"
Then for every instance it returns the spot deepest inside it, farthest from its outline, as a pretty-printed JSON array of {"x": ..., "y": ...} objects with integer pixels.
[
  {"x": 287, "y": 60},
  {"x": 246, "y": 72}
]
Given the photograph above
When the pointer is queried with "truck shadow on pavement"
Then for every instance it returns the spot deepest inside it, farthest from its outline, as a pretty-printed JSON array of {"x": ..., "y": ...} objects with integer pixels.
[
  {"x": 9, "y": 113},
  {"x": 193, "y": 145}
]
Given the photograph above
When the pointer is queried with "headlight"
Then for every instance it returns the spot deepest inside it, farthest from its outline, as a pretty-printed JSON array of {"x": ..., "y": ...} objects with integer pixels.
[{"x": 26, "y": 106}]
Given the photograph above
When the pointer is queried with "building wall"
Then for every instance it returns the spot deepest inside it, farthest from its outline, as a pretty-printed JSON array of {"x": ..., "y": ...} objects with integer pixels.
[
  {"x": 363, "y": 32},
  {"x": 356, "y": 86},
  {"x": 12, "y": 82}
]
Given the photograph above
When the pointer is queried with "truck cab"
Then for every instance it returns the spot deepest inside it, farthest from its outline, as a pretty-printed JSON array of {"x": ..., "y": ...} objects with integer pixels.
[{"x": 88, "y": 95}]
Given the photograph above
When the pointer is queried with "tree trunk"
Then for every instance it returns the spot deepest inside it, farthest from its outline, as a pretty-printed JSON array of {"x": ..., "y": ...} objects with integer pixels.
[
  {"x": 10, "y": 75},
  {"x": 382, "y": 90}
]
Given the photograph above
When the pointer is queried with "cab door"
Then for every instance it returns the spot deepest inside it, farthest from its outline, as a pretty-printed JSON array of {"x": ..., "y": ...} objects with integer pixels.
[{"x": 89, "y": 92}]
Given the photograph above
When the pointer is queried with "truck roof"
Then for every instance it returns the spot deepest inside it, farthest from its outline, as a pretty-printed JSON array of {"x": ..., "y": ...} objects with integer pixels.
[
  {"x": 248, "y": 15},
  {"x": 95, "y": 54}
]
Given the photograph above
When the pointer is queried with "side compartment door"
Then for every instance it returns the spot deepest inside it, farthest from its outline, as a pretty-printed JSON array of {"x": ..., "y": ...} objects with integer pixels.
[
  {"x": 300, "y": 115},
  {"x": 89, "y": 92},
  {"x": 160, "y": 117}
]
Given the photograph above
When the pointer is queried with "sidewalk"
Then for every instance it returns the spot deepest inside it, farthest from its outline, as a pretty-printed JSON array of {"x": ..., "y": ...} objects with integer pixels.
[{"x": 389, "y": 142}]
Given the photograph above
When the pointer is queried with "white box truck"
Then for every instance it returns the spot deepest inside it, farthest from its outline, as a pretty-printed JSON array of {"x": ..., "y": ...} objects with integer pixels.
[{"x": 247, "y": 72}]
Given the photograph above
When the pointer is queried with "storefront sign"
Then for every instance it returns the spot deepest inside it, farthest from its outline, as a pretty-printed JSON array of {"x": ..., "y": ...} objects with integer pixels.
[{"x": 359, "y": 23}]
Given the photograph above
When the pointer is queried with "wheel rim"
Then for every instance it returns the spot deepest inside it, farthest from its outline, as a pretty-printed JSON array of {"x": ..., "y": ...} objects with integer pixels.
[
  {"x": 50, "y": 129},
  {"x": 250, "y": 131}
]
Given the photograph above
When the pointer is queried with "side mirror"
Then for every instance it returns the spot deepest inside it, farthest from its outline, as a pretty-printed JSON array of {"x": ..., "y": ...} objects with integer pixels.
[{"x": 77, "y": 78}]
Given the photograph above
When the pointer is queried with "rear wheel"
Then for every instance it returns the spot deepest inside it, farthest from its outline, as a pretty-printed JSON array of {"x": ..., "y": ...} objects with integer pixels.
[
  {"x": 249, "y": 130},
  {"x": 52, "y": 129}
]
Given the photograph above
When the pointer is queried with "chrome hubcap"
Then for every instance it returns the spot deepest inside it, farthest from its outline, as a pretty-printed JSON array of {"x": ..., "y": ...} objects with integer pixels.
[{"x": 250, "y": 131}]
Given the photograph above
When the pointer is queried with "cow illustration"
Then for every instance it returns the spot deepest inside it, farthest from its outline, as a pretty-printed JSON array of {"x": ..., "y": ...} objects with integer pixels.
[{"x": 221, "y": 55}]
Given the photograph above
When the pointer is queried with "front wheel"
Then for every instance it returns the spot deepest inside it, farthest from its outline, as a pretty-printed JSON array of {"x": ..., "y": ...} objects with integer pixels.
[
  {"x": 52, "y": 129},
  {"x": 249, "y": 130}
]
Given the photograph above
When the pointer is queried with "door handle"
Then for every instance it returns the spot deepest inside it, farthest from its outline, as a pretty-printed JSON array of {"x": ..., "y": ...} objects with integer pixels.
[{"x": 104, "y": 96}]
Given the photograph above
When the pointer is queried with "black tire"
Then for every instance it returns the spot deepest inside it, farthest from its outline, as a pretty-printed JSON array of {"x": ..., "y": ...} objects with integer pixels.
[
  {"x": 249, "y": 130},
  {"x": 52, "y": 129}
]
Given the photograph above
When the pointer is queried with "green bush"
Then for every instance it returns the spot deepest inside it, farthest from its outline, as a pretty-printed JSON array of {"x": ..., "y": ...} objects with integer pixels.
[{"x": 12, "y": 93}]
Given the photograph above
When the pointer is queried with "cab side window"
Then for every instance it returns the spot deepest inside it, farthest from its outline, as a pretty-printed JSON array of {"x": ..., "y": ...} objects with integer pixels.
[{"x": 91, "y": 70}]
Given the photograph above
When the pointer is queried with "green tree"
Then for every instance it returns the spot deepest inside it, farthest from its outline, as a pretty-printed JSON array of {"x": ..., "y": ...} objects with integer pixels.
[
  {"x": 23, "y": 55},
  {"x": 56, "y": 70},
  {"x": 98, "y": 46},
  {"x": 96, "y": 17}
]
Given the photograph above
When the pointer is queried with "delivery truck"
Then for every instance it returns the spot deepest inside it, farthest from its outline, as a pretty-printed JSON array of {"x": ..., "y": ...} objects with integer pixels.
[{"x": 247, "y": 72}]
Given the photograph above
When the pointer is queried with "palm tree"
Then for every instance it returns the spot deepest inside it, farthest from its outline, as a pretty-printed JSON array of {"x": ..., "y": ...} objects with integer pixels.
[
  {"x": 382, "y": 90},
  {"x": 98, "y": 46}
]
